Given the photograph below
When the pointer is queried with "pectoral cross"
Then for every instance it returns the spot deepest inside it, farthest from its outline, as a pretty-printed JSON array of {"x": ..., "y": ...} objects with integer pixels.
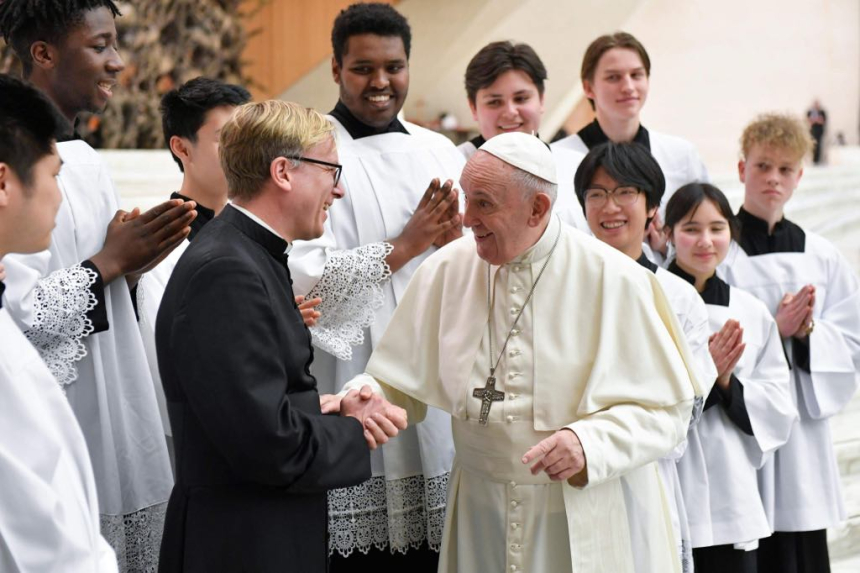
[{"x": 488, "y": 394}]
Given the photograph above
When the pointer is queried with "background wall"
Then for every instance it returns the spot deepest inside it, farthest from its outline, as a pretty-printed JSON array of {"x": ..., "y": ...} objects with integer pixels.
[{"x": 715, "y": 64}]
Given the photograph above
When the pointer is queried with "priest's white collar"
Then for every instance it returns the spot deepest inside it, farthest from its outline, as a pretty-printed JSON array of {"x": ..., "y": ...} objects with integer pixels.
[
  {"x": 543, "y": 247},
  {"x": 263, "y": 224}
]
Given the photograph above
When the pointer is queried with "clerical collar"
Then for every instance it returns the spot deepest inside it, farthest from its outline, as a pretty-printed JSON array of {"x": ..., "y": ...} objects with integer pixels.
[
  {"x": 357, "y": 129},
  {"x": 260, "y": 232},
  {"x": 787, "y": 237},
  {"x": 592, "y": 135},
  {"x": 204, "y": 215},
  {"x": 543, "y": 247},
  {"x": 716, "y": 290},
  {"x": 2, "y": 288},
  {"x": 478, "y": 141},
  {"x": 646, "y": 262}
]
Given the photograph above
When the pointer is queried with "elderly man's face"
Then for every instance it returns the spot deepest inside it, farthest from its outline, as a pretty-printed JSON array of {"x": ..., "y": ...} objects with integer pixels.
[{"x": 502, "y": 219}]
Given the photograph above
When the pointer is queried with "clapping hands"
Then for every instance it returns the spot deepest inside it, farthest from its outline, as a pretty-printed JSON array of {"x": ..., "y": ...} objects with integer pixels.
[{"x": 380, "y": 419}]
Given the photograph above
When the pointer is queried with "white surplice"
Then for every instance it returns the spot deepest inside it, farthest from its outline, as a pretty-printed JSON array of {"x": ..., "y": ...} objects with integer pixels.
[
  {"x": 598, "y": 351},
  {"x": 105, "y": 375},
  {"x": 150, "y": 291},
  {"x": 800, "y": 485},
  {"x": 682, "y": 490},
  {"x": 737, "y": 513},
  {"x": 49, "y": 518},
  {"x": 384, "y": 178},
  {"x": 677, "y": 157}
]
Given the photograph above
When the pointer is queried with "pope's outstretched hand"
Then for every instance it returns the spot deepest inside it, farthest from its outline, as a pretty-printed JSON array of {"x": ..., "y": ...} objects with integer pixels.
[
  {"x": 561, "y": 456},
  {"x": 379, "y": 417}
]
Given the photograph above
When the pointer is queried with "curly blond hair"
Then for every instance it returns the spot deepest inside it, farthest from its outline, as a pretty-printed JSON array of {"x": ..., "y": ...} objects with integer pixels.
[
  {"x": 778, "y": 130},
  {"x": 258, "y": 133}
]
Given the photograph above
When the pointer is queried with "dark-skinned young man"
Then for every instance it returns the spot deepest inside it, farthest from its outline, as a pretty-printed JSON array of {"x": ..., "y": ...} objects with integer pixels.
[
  {"x": 73, "y": 300},
  {"x": 399, "y": 207}
]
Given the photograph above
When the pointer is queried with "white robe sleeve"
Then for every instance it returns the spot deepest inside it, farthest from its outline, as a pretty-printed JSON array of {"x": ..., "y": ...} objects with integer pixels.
[
  {"x": 834, "y": 345},
  {"x": 349, "y": 282},
  {"x": 769, "y": 403},
  {"x": 51, "y": 309}
]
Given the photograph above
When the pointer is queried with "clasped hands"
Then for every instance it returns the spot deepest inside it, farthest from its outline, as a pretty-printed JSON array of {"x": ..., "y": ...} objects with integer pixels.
[
  {"x": 380, "y": 418},
  {"x": 794, "y": 314}
]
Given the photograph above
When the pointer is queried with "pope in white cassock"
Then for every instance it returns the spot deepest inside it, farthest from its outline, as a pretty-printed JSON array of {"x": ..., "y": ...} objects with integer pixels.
[{"x": 564, "y": 370}]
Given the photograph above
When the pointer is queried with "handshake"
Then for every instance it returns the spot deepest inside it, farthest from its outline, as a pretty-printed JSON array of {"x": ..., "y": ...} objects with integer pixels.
[{"x": 380, "y": 418}]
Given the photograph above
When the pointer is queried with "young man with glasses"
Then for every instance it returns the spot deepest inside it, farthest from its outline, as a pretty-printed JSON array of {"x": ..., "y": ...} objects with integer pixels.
[{"x": 619, "y": 186}]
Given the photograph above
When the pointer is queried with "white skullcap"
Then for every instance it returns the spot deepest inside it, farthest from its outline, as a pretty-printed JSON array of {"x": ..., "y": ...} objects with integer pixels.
[{"x": 525, "y": 152}]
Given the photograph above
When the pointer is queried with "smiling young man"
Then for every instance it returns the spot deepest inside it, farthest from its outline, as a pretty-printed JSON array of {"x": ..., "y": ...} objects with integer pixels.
[
  {"x": 505, "y": 87},
  {"x": 73, "y": 300},
  {"x": 254, "y": 455},
  {"x": 616, "y": 75},
  {"x": 815, "y": 298},
  {"x": 394, "y": 214},
  {"x": 49, "y": 518}
]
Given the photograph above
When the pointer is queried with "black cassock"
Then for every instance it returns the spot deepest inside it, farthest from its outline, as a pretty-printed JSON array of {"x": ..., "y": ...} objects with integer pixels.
[{"x": 254, "y": 455}]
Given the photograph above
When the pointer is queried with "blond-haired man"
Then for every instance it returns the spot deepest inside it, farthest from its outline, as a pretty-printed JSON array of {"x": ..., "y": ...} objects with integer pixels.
[
  {"x": 254, "y": 456},
  {"x": 815, "y": 298}
]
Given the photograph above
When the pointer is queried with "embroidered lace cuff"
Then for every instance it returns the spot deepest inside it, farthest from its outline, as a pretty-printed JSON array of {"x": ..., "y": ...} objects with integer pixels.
[
  {"x": 400, "y": 514},
  {"x": 135, "y": 537},
  {"x": 351, "y": 292},
  {"x": 61, "y": 302}
]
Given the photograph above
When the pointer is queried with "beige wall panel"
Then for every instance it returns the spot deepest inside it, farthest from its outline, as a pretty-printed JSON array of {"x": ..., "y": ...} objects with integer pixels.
[{"x": 291, "y": 38}]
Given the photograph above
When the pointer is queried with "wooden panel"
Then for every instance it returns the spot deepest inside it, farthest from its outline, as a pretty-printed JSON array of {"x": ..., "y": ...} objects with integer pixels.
[{"x": 289, "y": 38}]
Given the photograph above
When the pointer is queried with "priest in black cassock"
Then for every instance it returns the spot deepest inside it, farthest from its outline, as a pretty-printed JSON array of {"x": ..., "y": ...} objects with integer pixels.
[{"x": 254, "y": 455}]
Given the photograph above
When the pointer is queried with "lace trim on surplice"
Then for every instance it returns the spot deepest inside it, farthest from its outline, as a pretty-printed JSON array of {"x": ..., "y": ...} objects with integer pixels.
[
  {"x": 61, "y": 302},
  {"x": 400, "y": 514},
  {"x": 136, "y": 538},
  {"x": 351, "y": 292}
]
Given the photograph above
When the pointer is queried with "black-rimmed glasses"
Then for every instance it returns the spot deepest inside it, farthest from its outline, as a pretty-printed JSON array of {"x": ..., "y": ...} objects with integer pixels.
[{"x": 336, "y": 168}]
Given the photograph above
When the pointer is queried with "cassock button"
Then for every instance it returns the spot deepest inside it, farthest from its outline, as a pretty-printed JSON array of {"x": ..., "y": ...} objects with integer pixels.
[
  {"x": 515, "y": 526},
  {"x": 513, "y": 375},
  {"x": 514, "y": 353},
  {"x": 515, "y": 332},
  {"x": 516, "y": 289},
  {"x": 517, "y": 268},
  {"x": 512, "y": 396},
  {"x": 514, "y": 568},
  {"x": 513, "y": 484},
  {"x": 511, "y": 418},
  {"x": 514, "y": 503},
  {"x": 515, "y": 310}
]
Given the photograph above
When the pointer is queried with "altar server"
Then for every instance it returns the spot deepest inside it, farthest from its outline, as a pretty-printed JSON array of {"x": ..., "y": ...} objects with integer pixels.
[
  {"x": 814, "y": 296},
  {"x": 750, "y": 410},
  {"x": 49, "y": 513}
]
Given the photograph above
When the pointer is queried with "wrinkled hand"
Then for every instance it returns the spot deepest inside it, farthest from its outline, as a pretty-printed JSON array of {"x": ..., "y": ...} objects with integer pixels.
[
  {"x": 727, "y": 347},
  {"x": 136, "y": 242},
  {"x": 794, "y": 313},
  {"x": 657, "y": 236},
  {"x": 453, "y": 214},
  {"x": 308, "y": 309},
  {"x": 381, "y": 419},
  {"x": 560, "y": 456}
]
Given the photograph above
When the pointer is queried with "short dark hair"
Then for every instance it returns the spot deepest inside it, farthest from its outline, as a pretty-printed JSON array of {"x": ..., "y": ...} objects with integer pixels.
[
  {"x": 23, "y": 22},
  {"x": 496, "y": 58},
  {"x": 28, "y": 125},
  {"x": 372, "y": 18},
  {"x": 628, "y": 163},
  {"x": 184, "y": 109},
  {"x": 688, "y": 198},
  {"x": 605, "y": 43}
]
